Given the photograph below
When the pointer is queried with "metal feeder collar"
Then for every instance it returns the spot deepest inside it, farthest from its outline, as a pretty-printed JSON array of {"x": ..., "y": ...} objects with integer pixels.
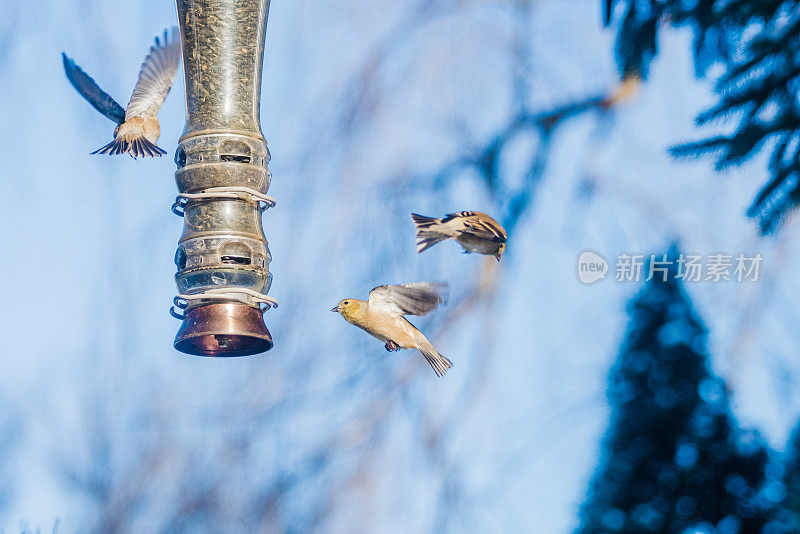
[{"x": 223, "y": 257}]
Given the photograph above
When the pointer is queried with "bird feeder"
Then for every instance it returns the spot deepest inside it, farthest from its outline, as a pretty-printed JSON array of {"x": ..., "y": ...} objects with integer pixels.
[{"x": 223, "y": 257}]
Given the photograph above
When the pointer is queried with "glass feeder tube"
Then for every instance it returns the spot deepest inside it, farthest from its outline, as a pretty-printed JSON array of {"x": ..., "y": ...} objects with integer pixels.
[{"x": 223, "y": 257}]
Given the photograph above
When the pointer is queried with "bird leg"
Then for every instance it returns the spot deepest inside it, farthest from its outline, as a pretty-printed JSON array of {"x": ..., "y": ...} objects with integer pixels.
[{"x": 391, "y": 346}]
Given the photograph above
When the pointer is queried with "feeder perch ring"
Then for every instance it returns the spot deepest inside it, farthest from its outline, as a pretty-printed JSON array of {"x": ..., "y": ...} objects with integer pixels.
[
  {"x": 231, "y": 294},
  {"x": 247, "y": 194}
]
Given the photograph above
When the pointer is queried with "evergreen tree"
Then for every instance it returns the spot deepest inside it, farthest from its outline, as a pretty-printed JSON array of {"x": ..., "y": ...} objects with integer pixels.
[
  {"x": 758, "y": 44},
  {"x": 789, "y": 514},
  {"x": 673, "y": 459}
]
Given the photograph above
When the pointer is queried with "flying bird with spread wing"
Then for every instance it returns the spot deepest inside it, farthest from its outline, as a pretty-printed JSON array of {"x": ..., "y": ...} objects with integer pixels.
[
  {"x": 382, "y": 317},
  {"x": 137, "y": 128},
  {"x": 473, "y": 230}
]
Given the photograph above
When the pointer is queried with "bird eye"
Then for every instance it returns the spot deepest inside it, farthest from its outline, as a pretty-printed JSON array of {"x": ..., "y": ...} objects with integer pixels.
[{"x": 346, "y": 302}]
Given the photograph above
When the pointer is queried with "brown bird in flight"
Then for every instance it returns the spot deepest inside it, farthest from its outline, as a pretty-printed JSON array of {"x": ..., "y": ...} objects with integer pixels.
[
  {"x": 382, "y": 317},
  {"x": 473, "y": 230},
  {"x": 137, "y": 128}
]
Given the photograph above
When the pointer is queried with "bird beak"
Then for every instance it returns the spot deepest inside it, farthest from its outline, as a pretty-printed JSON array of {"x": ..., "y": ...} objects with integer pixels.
[{"x": 335, "y": 309}]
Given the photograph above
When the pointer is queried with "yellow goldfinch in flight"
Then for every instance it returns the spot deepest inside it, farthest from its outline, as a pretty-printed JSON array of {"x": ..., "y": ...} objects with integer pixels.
[
  {"x": 382, "y": 317},
  {"x": 473, "y": 230},
  {"x": 137, "y": 128}
]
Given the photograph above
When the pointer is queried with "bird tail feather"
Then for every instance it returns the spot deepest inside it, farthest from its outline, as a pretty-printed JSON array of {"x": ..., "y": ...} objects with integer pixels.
[
  {"x": 439, "y": 363},
  {"x": 139, "y": 147},
  {"x": 427, "y": 236}
]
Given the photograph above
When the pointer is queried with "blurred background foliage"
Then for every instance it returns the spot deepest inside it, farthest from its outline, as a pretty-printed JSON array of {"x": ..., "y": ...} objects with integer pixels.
[
  {"x": 674, "y": 459},
  {"x": 373, "y": 110},
  {"x": 755, "y": 44}
]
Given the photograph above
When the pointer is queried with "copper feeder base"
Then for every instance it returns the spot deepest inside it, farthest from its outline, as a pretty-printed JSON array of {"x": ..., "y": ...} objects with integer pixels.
[{"x": 224, "y": 329}]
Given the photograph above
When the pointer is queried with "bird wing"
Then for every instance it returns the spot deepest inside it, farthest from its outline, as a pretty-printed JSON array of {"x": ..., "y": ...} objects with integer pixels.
[
  {"x": 156, "y": 75},
  {"x": 479, "y": 224},
  {"x": 417, "y": 298},
  {"x": 89, "y": 90}
]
